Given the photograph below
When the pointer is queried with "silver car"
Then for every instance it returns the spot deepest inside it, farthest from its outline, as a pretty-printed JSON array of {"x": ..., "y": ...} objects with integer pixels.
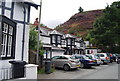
[
  {"x": 104, "y": 57},
  {"x": 66, "y": 62}
]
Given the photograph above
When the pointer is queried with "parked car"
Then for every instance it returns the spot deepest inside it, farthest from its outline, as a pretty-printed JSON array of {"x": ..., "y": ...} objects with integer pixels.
[
  {"x": 110, "y": 55},
  {"x": 104, "y": 57},
  {"x": 95, "y": 57},
  {"x": 118, "y": 59},
  {"x": 85, "y": 61},
  {"x": 66, "y": 62},
  {"x": 115, "y": 57}
]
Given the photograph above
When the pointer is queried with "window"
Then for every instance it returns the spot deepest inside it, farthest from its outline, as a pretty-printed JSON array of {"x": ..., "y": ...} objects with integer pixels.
[
  {"x": 8, "y": 3},
  {"x": 72, "y": 41},
  {"x": 4, "y": 41},
  {"x": 7, "y": 41},
  {"x": 53, "y": 39},
  {"x": 62, "y": 57},
  {"x": 69, "y": 41},
  {"x": 7, "y": 13},
  {"x": 56, "y": 57},
  {"x": 63, "y": 42},
  {"x": 0, "y": 11},
  {"x": 59, "y": 39},
  {"x": 81, "y": 45},
  {"x": 0, "y": 2}
]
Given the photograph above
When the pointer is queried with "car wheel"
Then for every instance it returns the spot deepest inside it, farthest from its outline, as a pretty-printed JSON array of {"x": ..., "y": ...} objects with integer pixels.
[
  {"x": 98, "y": 64},
  {"x": 66, "y": 67},
  {"x": 82, "y": 65},
  {"x": 118, "y": 62}
]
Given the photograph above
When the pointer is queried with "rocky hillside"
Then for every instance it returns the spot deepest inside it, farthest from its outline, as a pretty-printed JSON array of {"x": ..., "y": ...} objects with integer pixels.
[{"x": 80, "y": 23}]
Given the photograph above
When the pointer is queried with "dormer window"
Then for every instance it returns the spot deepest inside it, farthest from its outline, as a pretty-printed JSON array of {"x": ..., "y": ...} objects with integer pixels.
[
  {"x": 70, "y": 41},
  {"x": 55, "y": 38}
]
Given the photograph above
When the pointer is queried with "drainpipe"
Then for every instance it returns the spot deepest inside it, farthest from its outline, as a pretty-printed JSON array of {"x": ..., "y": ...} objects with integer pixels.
[{"x": 23, "y": 40}]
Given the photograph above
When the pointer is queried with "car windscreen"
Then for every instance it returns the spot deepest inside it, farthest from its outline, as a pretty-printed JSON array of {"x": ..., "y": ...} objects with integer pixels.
[
  {"x": 97, "y": 57},
  {"x": 100, "y": 55},
  {"x": 85, "y": 57},
  {"x": 73, "y": 57},
  {"x": 89, "y": 56}
]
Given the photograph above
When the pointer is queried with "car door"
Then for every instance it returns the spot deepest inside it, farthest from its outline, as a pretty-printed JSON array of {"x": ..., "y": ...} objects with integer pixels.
[
  {"x": 56, "y": 60},
  {"x": 63, "y": 60}
]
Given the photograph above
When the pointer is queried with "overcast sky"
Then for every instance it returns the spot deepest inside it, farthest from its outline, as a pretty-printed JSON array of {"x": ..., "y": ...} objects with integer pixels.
[{"x": 55, "y": 12}]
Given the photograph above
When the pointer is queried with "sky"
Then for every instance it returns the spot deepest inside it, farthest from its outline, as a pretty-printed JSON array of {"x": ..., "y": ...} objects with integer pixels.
[{"x": 55, "y": 12}]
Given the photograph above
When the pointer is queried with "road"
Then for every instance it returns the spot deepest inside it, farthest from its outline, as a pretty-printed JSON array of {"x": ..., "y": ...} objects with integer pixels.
[
  {"x": 108, "y": 72},
  {"x": 97, "y": 72}
]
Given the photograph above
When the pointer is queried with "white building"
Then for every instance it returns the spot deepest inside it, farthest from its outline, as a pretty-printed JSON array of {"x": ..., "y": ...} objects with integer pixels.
[
  {"x": 14, "y": 33},
  {"x": 58, "y": 43},
  {"x": 90, "y": 49}
]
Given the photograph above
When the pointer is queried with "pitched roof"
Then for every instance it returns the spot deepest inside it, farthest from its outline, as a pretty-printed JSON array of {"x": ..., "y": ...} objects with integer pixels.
[
  {"x": 29, "y": 2},
  {"x": 69, "y": 36},
  {"x": 55, "y": 32}
]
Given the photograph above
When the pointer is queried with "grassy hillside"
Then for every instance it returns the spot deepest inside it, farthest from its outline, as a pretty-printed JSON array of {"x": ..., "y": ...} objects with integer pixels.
[{"x": 80, "y": 23}]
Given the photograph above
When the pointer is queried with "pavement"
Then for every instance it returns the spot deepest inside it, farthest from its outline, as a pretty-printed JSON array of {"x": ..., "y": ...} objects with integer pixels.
[{"x": 77, "y": 73}]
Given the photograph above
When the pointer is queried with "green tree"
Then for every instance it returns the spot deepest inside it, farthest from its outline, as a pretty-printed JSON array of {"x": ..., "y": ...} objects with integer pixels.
[
  {"x": 106, "y": 29},
  {"x": 33, "y": 39}
]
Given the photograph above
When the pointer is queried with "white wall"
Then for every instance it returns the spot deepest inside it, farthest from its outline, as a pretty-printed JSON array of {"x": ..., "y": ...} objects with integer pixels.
[
  {"x": 18, "y": 12},
  {"x": 87, "y": 43},
  {"x": 54, "y": 53},
  {"x": 45, "y": 40},
  {"x": 91, "y": 50},
  {"x": 19, "y": 37},
  {"x": 77, "y": 44}
]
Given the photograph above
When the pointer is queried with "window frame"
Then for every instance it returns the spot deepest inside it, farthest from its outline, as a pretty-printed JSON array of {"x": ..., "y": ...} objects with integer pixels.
[{"x": 8, "y": 52}]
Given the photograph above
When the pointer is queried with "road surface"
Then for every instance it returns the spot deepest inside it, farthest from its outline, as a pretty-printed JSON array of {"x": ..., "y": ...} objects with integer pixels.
[{"x": 97, "y": 72}]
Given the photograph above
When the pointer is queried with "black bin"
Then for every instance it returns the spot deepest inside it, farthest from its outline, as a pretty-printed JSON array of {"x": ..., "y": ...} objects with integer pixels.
[
  {"x": 48, "y": 67},
  {"x": 17, "y": 68}
]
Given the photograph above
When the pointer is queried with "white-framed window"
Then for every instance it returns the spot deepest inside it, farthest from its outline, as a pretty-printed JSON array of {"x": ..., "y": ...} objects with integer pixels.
[
  {"x": 4, "y": 41},
  {"x": 10, "y": 33},
  {"x": 63, "y": 42},
  {"x": 8, "y": 3},
  {"x": 81, "y": 44},
  {"x": 0, "y": 11},
  {"x": 72, "y": 41},
  {"x": 59, "y": 39},
  {"x": 69, "y": 41},
  {"x": 7, "y": 13},
  {"x": 7, "y": 33},
  {"x": 53, "y": 39},
  {"x": 8, "y": 38},
  {"x": 0, "y": 2}
]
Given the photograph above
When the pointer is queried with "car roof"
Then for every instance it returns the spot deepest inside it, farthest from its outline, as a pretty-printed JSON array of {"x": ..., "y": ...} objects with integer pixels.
[{"x": 101, "y": 53}]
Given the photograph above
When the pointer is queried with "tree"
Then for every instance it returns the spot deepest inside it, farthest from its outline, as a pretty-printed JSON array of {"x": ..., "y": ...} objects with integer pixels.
[
  {"x": 33, "y": 45},
  {"x": 106, "y": 29},
  {"x": 80, "y": 10},
  {"x": 33, "y": 39}
]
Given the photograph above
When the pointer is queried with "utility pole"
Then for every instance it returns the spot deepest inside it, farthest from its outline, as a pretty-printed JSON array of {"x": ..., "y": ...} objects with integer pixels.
[{"x": 38, "y": 42}]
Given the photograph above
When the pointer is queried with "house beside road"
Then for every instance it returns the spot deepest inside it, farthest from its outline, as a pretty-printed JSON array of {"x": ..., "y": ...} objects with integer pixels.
[{"x": 14, "y": 38}]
